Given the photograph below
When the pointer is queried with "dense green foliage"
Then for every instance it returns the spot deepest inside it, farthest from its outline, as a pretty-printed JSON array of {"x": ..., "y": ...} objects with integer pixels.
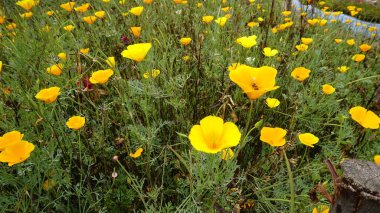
[{"x": 130, "y": 111}]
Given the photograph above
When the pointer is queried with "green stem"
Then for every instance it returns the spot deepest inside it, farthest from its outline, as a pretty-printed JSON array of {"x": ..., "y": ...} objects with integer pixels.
[
  {"x": 249, "y": 117},
  {"x": 134, "y": 185},
  {"x": 291, "y": 183},
  {"x": 246, "y": 131}
]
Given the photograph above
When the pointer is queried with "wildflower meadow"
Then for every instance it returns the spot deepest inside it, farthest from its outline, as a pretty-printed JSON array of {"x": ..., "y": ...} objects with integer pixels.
[{"x": 183, "y": 105}]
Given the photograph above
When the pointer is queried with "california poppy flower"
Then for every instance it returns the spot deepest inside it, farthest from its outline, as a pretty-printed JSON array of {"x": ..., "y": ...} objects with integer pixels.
[
  {"x": 273, "y": 136},
  {"x": 365, "y": 47},
  {"x": 27, "y": 4},
  {"x": 268, "y": 52},
  {"x": 56, "y": 69},
  {"x": 101, "y": 76},
  {"x": 137, "y": 153},
  {"x": 76, "y": 122},
  {"x": 364, "y": 117},
  {"x": 136, "y": 31},
  {"x": 328, "y": 89},
  {"x": 213, "y": 135},
  {"x": 83, "y": 8},
  {"x": 358, "y": 57},
  {"x": 137, "y": 52},
  {"x": 16, "y": 153},
  {"x": 207, "y": 19},
  {"x": 255, "y": 82},
  {"x": 185, "y": 41},
  {"x": 136, "y": 10},
  {"x": 48, "y": 95},
  {"x": 300, "y": 73},
  {"x": 308, "y": 139},
  {"x": 272, "y": 102},
  {"x": 111, "y": 62},
  {"x": 247, "y": 41},
  {"x": 221, "y": 21},
  {"x": 69, "y": 6},
  {"x": 10, "y": 138},
  {"x": 90, "y": 19}
]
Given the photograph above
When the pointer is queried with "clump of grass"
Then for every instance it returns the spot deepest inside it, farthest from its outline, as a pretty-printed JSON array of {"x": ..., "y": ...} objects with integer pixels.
[{"x": 133, "y": 150}]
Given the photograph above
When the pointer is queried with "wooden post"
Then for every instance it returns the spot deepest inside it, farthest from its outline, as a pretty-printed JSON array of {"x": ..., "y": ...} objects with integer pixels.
[{"x": 358, "y": 189}]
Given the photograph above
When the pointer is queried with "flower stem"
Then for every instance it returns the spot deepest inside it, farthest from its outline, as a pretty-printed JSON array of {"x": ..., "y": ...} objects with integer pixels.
[
  {"x": 291, "y": 183},
  {"x": 249, "y": 117}
]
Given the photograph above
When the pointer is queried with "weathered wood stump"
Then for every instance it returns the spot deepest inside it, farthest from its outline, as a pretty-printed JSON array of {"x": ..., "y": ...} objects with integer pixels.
[{"x": 358, "y": 189}]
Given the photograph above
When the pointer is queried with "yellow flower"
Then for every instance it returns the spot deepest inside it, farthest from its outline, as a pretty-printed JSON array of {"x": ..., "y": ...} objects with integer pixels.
[
  {"x": 100, "y": 14},
  {"x": 69, "y": 27},
  {"x": 313, "y": 22},
  {"x": 306, "y": 41},
  {"x": 365, "y": 47},
  {"x": 75, "y": 122},
  {"x": 136, "y": 31},
  {"x": 343, "y": 69},
  {"x": 136, "y": 10},
  {"x": 272, "y": 102},
  {"x": 84, "y": 51},
  {"x": 351, "y": 7},
  {"x": 185, "y": 57},
  {"x": 338, "y": 40},
  {"x": 101, "y": 76},
  {"x": 302, "y": 47},
  {"x": 26, "y": 15},
  {"x": 308, "y": 139},
  {"x": 137, "y": 52},
  {"x": 376, "y": 159},
  {"x": 56, "y": 69},
  {"x": 221, "y": 21},
  {"x": 137, "y": 153},
  {"x": 226, "y": 9},
  {"x": 213, "y": 135},
  {"x": 328, "y": 89},
  {"x": 273, "y": 136},
  {"x": 155, "y": 73},
  {"x": 227, "y": 154},
  {"x": 11, "y": 26},
  {"x": 1, "y": 66},
  {"x": 62, "y": 56},
  {"x": 255, "y": 82},
  {"x": 111, "y": 62},
  {"x": 69, "y": 6},
  {"x": 27, "y": 4},
  {"x": 322, "y": 209},
  {"x": 48, "y": 95},
  {"x": 364, "y": 117},
  {"x": 83, "y": 8},
  {"x": 2, "y": 19},
  {"x": 50, "y": 13},
  {"x": 207, "y": 19},
  {"x": 252, "y": 24},
  {"x": 286, "y": 13},
  {"x": 300, "y": 73},
  {"x": 247, "y": 41},
  {"x": 260, "y": 19},
  {"x": 10, "y": 138},
  {"x": 358, "y": 57},
  {"x": 16, "y": 153},
  {"x": 147, "y": 1},
  {"x": 350, "y": 42},
  {"x": 322, "y": 22},
  {"x": 185, "y": 41},
  {"x": 268, "y": 52},
  {"x": 90, "y": 19}
]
